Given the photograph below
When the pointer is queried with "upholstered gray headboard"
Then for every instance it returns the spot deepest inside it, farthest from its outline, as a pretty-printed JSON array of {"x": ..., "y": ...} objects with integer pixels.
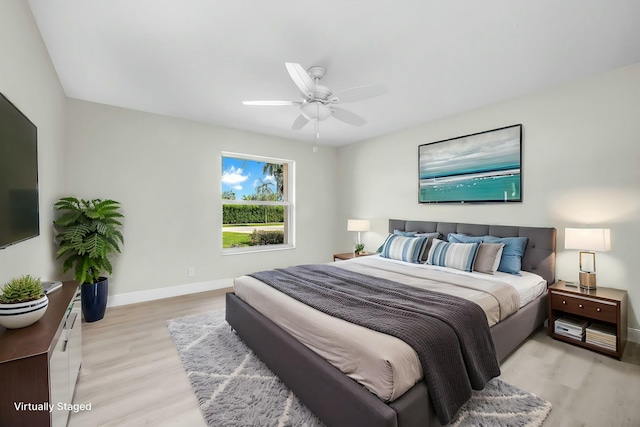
[{"x": 539, "y": 255}]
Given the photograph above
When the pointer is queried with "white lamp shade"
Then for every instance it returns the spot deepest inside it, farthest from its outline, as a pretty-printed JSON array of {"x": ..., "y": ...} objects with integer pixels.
[
  {"x": 588, "y": 239},
  {"x": 358, "y": 225}
]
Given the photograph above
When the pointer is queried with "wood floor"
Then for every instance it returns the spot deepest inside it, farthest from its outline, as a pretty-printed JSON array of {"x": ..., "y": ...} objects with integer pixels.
[{"x": 132, "y": 376}]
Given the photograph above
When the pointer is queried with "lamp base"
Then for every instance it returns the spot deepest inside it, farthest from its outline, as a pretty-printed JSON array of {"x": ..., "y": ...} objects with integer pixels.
[{"x": 587, "y": 280}]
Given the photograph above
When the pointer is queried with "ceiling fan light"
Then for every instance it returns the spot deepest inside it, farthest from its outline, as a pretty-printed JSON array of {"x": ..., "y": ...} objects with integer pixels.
[{"x": 315, "y": 110}]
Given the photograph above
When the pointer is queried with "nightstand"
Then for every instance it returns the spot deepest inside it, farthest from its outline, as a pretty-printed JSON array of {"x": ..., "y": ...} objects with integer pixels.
[
  {"x": 350, "y": 255},
  {"x": 600, "y": 307}
]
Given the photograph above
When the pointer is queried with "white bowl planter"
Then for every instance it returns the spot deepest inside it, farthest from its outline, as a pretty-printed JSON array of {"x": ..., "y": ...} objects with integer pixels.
[{"x": 14, "y": 316}]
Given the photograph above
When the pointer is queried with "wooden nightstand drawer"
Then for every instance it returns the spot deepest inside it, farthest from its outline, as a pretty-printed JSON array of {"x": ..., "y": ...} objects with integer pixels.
[{"x": 584, "y": 306}]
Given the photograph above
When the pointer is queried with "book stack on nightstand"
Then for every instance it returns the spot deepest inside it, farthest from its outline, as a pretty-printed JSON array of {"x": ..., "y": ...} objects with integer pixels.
[
  {"x": 601, "y": 335},
  {"x": 570, "y": 327}
]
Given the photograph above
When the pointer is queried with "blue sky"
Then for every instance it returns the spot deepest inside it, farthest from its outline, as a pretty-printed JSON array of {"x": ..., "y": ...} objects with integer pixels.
[{"x": 242, "y": 176}]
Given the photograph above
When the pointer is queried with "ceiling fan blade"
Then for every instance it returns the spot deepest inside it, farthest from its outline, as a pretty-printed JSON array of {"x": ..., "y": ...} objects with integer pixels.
[
  {"x": 347, "y": 116},
  {"x": 301, "y": 78},
  {"x": 299, "y": 123},
  {"x": 360, "y": 92},
  {"x": 271, "y": 103}
]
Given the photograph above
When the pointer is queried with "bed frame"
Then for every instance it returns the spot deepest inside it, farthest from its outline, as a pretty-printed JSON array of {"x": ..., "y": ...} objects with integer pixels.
[{"x": 340, "y": 401}]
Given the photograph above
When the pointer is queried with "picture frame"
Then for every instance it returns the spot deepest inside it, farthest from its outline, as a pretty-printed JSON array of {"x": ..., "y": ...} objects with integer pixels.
[{"x": 483, "y": 167}]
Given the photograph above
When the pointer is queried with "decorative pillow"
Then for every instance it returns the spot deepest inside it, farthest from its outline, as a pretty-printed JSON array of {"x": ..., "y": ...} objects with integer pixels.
[
  {"x": 434, "y": 234},
  {"x": 488, "y": 257},
  {"x": 382, "y": 245},
  {"x": 403, "y": 248},
  {"x": 399, "y": 233},
  {"x": 463, "y": 238},
  {"x": 405, "y": 233},
  {"x": 511, "y": 261},
  {"x": 455, "y": 255},
  {"x": 430, "y": 237}
]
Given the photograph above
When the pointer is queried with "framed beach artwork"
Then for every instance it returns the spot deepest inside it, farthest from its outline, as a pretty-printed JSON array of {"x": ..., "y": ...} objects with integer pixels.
[{"x": 483, "y": 167}]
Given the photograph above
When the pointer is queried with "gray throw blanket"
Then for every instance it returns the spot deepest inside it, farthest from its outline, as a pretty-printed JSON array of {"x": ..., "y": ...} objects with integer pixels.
[{"x": 449, "y": 334}]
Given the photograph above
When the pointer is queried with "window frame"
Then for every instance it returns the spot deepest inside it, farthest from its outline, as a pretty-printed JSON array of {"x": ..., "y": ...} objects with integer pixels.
[{"x": 287, "y": 203}]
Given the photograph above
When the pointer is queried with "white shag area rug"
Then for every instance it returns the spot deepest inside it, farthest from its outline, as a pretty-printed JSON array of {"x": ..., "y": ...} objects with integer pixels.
[{"x": 234, "y": 388}]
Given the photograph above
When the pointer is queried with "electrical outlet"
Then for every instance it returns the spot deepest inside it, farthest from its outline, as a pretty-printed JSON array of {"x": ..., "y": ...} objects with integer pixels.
[{"x": 192, "y": 271}]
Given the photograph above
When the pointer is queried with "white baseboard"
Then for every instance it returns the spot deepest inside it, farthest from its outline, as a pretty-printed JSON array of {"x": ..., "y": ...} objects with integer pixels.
[
  {"x": 171, "y": 291},
  {"x": 633, "y": 335}
]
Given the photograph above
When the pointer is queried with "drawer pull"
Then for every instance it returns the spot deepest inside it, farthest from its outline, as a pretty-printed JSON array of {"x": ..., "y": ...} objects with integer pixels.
[
  {"x": 564, "y": 302},
  {"x": 580, "y": 305},
  {"x": 597, "y": 309}
]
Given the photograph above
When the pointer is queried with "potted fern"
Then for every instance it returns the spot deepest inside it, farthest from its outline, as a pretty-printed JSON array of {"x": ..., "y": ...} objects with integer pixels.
[
  {"x": 88, "y": 233},
  {"x": 22, "y": 302}
]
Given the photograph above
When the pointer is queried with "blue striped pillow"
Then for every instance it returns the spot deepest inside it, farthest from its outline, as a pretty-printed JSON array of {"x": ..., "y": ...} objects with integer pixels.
[
  {"x": 403, "y": 248},
  {"x": 454, "y": 255}
]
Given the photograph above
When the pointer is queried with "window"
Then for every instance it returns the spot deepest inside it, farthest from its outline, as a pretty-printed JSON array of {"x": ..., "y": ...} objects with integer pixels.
[{"x": 257, "y": 208}]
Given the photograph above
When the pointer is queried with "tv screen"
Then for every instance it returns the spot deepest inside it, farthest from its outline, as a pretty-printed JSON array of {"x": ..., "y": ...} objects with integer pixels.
[
  {"x": 19, "y": 216},
  {"x": 481, "y": 167}
]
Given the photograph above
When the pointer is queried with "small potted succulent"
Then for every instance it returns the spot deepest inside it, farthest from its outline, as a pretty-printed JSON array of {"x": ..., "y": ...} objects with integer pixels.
[{"x": 22, "y": 302}]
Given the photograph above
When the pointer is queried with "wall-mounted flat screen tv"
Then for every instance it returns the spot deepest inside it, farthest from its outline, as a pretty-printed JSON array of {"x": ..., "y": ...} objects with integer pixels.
[
  {"x": 478, "y": 168},
  {"x": 19, "y": 215}
]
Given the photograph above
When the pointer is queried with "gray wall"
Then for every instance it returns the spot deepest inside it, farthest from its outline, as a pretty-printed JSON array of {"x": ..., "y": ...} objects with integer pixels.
[
  {"x": 27, "y": 79},
  {"x": 581, "y": 165},
  {"x": 166, "y": 173}
]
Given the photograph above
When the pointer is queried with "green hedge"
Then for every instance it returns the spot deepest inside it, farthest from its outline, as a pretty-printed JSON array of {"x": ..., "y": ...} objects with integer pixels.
[
  {"x": 251, "y": 214},
  {"x": 267, "y": 237}
]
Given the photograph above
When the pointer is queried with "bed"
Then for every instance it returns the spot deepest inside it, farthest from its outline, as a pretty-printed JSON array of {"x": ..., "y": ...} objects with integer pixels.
[{"x": 339, "y": 400}]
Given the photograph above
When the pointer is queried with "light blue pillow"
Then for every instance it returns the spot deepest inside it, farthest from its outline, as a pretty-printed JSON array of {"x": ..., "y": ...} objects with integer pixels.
[
  {"x": 454, "y": 255},
  {"x": 403, "y": 248},
  {"x": 382, "y": 245},
  {"x": 433, "y": 234},
  {"x": 463, "y": 238},
  {"x": 405, "y": 233},
  {"x": 511, "y": 261}
]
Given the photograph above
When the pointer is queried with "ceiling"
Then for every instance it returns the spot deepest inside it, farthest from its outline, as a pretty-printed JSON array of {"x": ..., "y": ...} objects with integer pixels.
[{"x": 199, "y": 59}]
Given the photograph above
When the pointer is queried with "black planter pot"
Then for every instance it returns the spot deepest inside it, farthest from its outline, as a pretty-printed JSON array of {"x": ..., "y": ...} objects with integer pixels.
[{"x": 94, "y": 299}]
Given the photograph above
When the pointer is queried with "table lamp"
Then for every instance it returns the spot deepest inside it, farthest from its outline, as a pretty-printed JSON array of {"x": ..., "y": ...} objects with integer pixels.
[
  {"x": 358, "y": 225},
  {"x": 587, "y": 241}
]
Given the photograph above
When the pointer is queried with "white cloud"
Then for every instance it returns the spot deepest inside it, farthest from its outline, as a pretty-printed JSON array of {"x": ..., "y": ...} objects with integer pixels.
[{"x": 234, "y": 177}]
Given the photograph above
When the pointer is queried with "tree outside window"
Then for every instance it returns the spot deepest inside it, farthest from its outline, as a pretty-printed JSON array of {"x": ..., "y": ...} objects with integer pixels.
[{"x": 256, "y": 203}]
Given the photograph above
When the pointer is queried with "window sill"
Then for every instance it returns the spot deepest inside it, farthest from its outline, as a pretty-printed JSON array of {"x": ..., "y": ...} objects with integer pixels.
[{"x": 254, "y": 249}]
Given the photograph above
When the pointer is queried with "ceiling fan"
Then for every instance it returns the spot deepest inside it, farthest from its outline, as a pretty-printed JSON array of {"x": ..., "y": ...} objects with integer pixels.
[{"x": 318, "y": 102}]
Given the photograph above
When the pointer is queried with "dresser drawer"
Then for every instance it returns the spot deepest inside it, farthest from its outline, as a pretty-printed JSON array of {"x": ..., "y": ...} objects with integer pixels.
[{"x": 584, "y": 306}]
